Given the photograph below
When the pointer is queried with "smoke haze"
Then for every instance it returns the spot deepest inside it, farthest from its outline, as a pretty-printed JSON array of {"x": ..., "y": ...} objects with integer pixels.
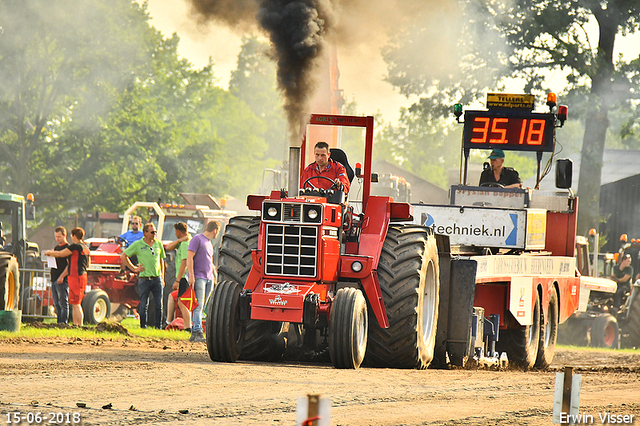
[{"x": 299, "y": 31}]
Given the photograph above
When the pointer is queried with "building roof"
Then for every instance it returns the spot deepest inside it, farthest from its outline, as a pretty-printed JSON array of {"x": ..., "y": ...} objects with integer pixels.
[{"x": 421, "y": 190}]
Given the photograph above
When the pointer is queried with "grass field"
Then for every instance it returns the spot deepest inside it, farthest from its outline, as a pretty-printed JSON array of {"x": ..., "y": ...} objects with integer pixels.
[{"x": 90, "y": 332}]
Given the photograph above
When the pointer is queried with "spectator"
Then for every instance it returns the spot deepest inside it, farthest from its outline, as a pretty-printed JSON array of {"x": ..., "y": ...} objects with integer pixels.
[
  {"x": 200, "y": 271},
  {"x": 622, "y": 274},
  {"x": 59, "y": 282},
  {"x": 134, "y": 234},
  {"x": 181, "y": 245},
  {"x": 77, "y": 277},
  {"x": 150, "y": 271}
]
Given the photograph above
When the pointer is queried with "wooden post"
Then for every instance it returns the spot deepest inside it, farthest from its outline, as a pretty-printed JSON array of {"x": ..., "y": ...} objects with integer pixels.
[
  {"x": 566, "y": 392},
  {"x": 312, "y": 413}
]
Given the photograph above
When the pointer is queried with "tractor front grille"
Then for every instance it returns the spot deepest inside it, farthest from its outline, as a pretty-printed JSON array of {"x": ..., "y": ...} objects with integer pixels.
[
  {"x": 292, "y": 212},
  {"x": 291, "y": 250}
]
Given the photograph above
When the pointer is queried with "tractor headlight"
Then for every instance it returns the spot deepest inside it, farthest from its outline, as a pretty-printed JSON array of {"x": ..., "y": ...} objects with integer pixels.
[
  {"x": 272, "y": 211},
  {"x": 312, "y": 213},
  {"x": 356, "y": 266}
]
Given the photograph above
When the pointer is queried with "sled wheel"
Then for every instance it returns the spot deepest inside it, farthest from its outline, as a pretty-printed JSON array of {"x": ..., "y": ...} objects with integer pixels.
[
  {"x": 548, "y": 333},
  {"x": 521, "y": 343}
]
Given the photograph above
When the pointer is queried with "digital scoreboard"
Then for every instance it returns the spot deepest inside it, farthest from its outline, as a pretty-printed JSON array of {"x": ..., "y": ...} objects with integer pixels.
[{"x": 508, "y": 129}]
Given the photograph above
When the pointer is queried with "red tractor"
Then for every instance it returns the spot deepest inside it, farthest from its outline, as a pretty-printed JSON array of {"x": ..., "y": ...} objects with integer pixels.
[
  {"x": 402, "y": 285},
  {"x": 317, "y": 272}
]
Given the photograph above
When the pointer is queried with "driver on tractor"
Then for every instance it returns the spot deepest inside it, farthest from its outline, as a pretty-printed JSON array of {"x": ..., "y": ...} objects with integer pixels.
[
  {"x": 496, "y": 175},
  {"x": 325, "y": 172}
]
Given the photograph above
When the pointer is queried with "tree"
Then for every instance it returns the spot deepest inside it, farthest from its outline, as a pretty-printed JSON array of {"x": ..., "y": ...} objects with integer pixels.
[
  {"x": 254, "y": 82},
  {"x": 54, "y": 62},
  {"x": 100, "y": 111},
  {"x": 528, "y": 39}
]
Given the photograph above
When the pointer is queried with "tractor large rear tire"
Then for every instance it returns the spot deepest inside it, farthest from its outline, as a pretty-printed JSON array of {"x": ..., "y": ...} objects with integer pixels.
[
  {"x": 521, "y": 344},
  {"x": 348, "y": 326},
  {"x": 573, "y": 332},
  {"x": 408, "y": 275},
  {"x": 632, "y": 324},
  {"x": 239, "y": 239},
  {"x": 263, "y": 340},
  {"x": 225, "y": 330},
  {"x": 605, "y": 332},
  {"x": 169, "y": 278},
  {"x": 548, "y": 333},
  {"x": 9, "y": 283},
  {"x": 96, "y": 307},
  {"x": 118, "y": 312}
]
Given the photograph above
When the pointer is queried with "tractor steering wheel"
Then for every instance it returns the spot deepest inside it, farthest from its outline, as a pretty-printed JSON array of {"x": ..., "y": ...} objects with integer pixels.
[
  {"x": 308, "y": 182},
  {"x": 492, "y": 184},
  {"x": 116, "y": 239}
]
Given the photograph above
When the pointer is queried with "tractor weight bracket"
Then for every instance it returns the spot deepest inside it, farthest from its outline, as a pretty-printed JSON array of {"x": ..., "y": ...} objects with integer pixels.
[
  {"x": 310, "y": 312},
  {"x": 244, "y": 305}
]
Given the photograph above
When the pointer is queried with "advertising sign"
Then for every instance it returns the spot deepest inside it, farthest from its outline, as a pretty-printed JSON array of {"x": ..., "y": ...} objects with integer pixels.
[{"x": 475, "y": 226}]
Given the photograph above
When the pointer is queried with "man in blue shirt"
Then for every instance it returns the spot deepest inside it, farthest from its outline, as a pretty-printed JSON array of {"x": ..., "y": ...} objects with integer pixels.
[{"x": 135, "y": 234}]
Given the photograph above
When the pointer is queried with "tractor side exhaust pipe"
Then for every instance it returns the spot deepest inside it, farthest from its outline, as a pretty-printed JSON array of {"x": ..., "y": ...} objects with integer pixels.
[{"x": 294, "y": 171}]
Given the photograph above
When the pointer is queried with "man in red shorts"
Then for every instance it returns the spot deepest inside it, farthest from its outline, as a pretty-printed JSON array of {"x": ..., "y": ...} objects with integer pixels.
[{"x": 78, "y": 254}]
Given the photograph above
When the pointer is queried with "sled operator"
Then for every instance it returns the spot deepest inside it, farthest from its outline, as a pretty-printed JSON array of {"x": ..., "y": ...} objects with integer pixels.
[
  {"x": 326, "y": 167},
  {"x": 508, "y": 177}
]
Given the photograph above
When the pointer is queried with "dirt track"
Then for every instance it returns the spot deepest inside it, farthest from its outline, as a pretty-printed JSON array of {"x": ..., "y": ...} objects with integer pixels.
[{"x": 160, "y": 378}]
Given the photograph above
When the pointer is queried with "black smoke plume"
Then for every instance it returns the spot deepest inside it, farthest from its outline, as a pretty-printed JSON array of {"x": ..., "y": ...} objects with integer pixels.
[{"x": 297, "y": 30}]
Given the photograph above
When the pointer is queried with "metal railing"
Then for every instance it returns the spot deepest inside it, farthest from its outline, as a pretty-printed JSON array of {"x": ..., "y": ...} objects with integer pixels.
[{"x": 36, "y": 300}]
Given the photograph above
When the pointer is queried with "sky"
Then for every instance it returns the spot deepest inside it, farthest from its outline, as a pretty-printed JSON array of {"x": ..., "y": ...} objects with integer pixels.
[
  {"x": 198, "y": 43},
  {"x": 362, "y": 68}
]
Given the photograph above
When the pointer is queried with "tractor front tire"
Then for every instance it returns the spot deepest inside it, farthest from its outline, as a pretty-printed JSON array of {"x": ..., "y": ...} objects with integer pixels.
[
  {"x": 348, "y": 327},
  {"x": 605, "y": 332},
  {"x": 263, "y": 340},
  {"x": 96, "y": 307},
  {"x": 632, "y": 323},
  {"x": 408, "y": 276},
  {"x": 521, "y": 343},
  {"x": 9, "y": 283},
  {"x": 548, "y": 333},
  {"x": 225, "y": 330}
]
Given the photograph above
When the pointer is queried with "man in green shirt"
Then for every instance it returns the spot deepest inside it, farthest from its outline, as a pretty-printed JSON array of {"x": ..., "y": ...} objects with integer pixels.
[
  {"x": 181, "y": 245},
  {"x": 150, "y": 271}
]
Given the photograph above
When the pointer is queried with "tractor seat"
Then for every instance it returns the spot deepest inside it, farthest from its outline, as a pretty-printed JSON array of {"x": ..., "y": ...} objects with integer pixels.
[{"x": 341, "y": 157}]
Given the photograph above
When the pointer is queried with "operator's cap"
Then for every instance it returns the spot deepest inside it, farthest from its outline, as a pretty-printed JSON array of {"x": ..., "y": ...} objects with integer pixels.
[{"x": 496, "y": 153}]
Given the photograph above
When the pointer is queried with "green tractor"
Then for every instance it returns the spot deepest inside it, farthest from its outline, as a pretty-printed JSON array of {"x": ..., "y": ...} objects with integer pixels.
[{"x": 15, "y": 251}]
